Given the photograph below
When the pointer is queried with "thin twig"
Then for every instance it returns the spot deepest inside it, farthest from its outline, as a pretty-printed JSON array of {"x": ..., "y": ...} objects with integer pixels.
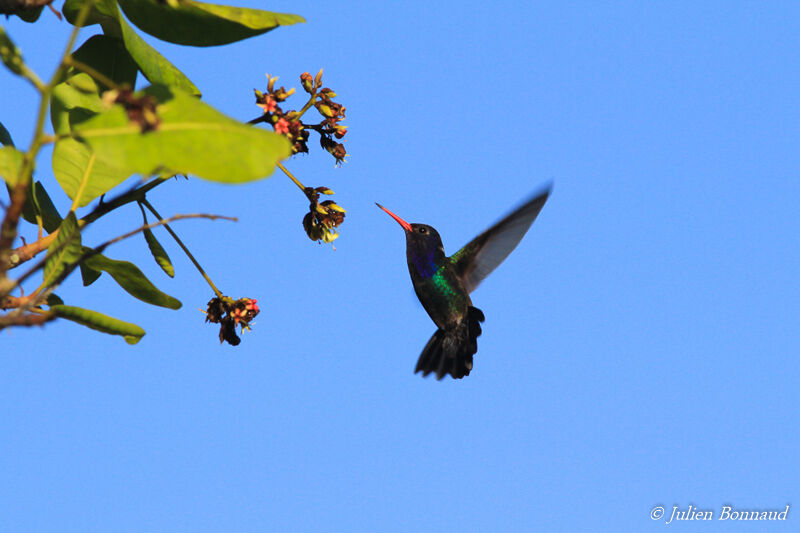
[{"x": 161, "y": 222}]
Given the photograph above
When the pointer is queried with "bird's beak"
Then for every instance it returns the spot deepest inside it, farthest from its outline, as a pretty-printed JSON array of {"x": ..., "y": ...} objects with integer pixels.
[{"x": 406, "y": 225}]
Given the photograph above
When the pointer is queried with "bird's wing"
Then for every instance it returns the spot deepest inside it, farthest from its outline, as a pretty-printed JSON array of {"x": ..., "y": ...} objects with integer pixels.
[{"x": 485, "y": 252}]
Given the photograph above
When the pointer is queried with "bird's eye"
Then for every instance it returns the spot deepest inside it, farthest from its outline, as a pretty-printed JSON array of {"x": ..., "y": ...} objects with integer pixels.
[{"x": 423, "y": 230}]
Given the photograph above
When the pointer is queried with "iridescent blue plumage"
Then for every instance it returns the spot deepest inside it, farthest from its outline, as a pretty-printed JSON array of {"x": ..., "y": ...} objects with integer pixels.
[{"x": 423, "y": 264}]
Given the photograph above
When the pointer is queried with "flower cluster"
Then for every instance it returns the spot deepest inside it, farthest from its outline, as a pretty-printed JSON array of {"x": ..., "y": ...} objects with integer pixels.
[
  {"x": 323, "y": 218},
  {"x": 288, "y": 123},
  {"x": 332, "y": 112},
  {"x": 230, "y": 313},
  {"x": 284, "y": 123},
  {"x": 141, "y": 110}
]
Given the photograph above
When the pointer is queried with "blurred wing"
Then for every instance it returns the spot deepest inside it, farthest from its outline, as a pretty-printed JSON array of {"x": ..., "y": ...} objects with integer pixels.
[{"x": 485, "y": 252}]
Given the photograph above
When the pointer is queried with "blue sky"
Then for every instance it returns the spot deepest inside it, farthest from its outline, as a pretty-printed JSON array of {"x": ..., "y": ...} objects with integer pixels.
[{"x": 640, "y": 346}]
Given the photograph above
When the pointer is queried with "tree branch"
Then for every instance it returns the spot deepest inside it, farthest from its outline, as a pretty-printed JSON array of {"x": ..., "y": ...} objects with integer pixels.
[
  {"x": 21, "y": 317},
  {"x": 25, "y": 319},
  {"x": 8, "y": 229},
  {"x": 31, "y": 250}
]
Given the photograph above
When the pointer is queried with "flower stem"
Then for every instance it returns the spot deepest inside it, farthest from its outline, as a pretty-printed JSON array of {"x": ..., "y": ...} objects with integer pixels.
[
  {"x": 306, "y": 107},
  {"x": 291, "y": 177},
  {"x": 145, "y": 203}
]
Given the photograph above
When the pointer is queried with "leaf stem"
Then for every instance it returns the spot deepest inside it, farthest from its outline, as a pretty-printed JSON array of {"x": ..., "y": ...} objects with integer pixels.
[
  {"x": 91, "y": 71},
  {"x": 32, "y": 77}
]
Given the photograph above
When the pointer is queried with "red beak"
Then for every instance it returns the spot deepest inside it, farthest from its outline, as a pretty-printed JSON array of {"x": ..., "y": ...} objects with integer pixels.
[{"x": 406, "y": 225}]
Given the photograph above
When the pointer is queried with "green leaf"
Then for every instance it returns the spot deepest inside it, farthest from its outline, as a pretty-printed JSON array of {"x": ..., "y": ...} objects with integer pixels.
[
  {"x": 30, "y": 15},
  {"x": 10, "y": 54},
  {"x": 100, "y": 322},
  {"x": 130, "y": 278},
  {"x": 5, "y": 137},
  {"x": 103, "y": 12},
  {"x": 153, "y": 65},
  {"x": 88, "y": 274},
  {"x": 75, "y": 166},
  {"x": 10, "y": 164},
  {"x": 54, "y": 299},
  {"x": 65, "y": 250},
  {"x": 81, "y": 173},
  {"x": 159, "y": 254},
  {"x": 108, "y": 56},
  {"x": 39, "y": 204},
  {"x": 78, "y": 92},
  {"x": 192, "y": 138},
  {"x": 199, "y": 24}
]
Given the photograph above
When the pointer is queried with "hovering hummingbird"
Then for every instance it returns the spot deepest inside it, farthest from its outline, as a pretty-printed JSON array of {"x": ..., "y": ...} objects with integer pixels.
[{"x": 443, "y": 284}]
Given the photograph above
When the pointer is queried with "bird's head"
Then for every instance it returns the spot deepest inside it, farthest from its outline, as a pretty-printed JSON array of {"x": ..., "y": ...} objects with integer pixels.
[{"x": 422, "y": 241}]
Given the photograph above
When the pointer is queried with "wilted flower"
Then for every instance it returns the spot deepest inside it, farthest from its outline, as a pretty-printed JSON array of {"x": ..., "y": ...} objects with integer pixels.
[
  {"x": 337, "y": 150},
  {"x": 323, "y": 218},
  {"x": 230, "y": 313},
  {"x": 141, "y": 110}
]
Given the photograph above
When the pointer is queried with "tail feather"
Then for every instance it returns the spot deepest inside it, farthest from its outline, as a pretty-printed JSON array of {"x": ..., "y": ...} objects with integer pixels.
[{"x": 450, "y": 351}]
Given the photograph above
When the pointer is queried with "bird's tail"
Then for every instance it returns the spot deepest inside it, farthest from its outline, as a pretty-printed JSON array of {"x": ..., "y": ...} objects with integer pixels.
[{"x": 450, "y": 351}]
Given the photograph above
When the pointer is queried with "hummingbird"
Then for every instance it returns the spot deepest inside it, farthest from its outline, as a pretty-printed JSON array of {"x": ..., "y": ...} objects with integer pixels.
[{"x": 443, "y": 284}]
